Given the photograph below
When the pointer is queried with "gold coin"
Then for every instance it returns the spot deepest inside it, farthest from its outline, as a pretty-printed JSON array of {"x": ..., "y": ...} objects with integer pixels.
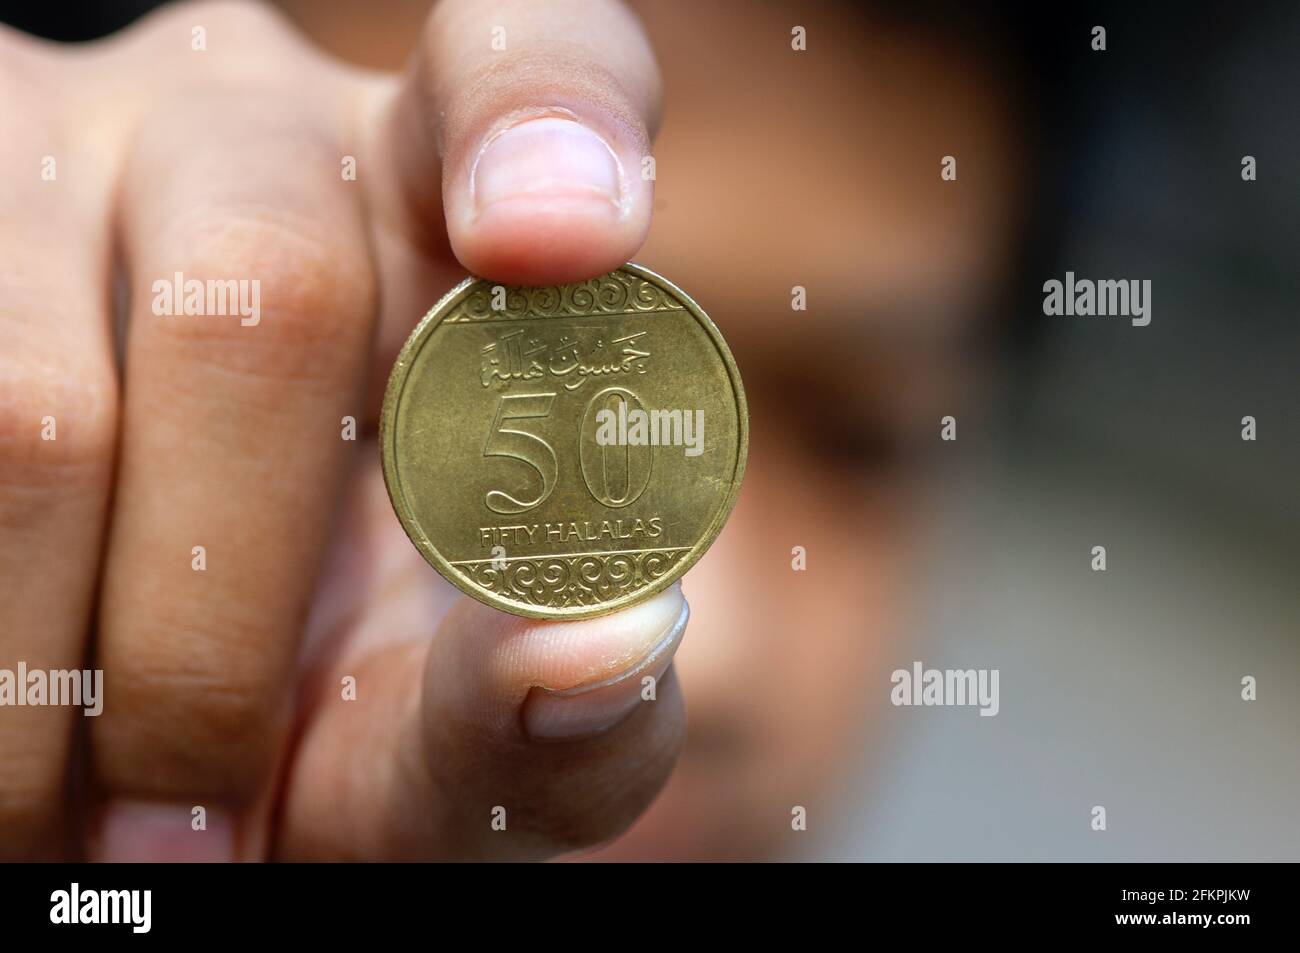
[{"x": 564, "y": 451}]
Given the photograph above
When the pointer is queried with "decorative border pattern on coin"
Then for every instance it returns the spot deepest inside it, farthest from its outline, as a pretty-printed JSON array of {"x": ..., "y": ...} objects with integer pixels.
[
  {"x": 619, "y": 292},
  {"x": 579, "y": 579},
  {"x": 577, "y": 585}
]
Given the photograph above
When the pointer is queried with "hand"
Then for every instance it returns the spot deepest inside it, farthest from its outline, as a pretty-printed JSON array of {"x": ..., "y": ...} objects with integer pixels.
[{"x": 194, "y": 523}]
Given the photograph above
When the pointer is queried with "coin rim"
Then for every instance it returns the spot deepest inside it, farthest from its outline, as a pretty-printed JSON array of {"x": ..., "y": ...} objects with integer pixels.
[{"x": 392, "y": 394}]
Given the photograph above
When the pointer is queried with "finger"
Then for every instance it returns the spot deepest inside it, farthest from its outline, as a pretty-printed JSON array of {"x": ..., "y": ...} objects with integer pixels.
[
  {"x": 231, "y": 442},
  {"x": 538, "y": 118},
  {"x": 58, "y": 408},
  {"x": 513, "y": 740}
]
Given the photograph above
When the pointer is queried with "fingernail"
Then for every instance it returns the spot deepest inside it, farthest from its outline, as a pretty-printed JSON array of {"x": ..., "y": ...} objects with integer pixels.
[
  {"x": 588, "y": 709},
  {"x": 136, "y": 831},
  {"x": 546, "y": 158}
]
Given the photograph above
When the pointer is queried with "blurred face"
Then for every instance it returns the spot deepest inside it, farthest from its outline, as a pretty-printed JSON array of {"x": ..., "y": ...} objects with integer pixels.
[{"x": 819, "y": 169}]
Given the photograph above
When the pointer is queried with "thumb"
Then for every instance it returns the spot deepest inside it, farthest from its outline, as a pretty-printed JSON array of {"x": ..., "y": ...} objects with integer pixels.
[
  {"x": 524, "y": 127},
  {"x": 519, "y": 740}
]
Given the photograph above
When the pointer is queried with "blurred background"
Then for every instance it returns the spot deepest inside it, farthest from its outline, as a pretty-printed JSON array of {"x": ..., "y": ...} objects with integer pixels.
[{"x": 820, "y": 168}]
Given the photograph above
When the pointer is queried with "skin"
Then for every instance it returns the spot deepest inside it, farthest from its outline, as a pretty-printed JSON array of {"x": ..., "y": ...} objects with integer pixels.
[{"x": 222, "y": 687}]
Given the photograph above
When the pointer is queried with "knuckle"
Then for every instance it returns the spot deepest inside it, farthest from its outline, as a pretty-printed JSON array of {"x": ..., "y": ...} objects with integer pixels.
[
  {"x": 202, "y": 725},
  {"x": 235, "y": 17},
  {"x": 26, "y": 90},
  {"x": 247, "y": 14},
  {"x": 30, "y": 805},
  {"x": 260, "y": 283},
  {"x": 57, "y": 420},
  {"x": 25, "y": 821},
  {"x": 19, "y": 54},
  {"x": 261, "y": 31}
]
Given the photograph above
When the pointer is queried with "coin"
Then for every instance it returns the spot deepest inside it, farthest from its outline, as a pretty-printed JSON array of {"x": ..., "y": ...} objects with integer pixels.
[{"x": 564, "y": 451}]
